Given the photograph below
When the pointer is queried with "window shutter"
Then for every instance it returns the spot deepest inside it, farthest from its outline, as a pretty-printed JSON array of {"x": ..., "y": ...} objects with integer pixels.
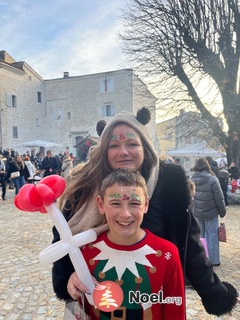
[
  {"x": 104, "y": 111},
  {"x": 8, "y": 100}
]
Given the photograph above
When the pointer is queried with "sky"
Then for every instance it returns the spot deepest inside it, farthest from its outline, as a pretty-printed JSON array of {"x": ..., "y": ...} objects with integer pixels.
[{"x": 54, "y": 36}]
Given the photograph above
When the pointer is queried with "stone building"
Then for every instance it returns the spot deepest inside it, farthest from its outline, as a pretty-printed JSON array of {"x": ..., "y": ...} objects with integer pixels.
[
  {"x": 21, "y": 90},
  {"x": 64, "y": 110}
]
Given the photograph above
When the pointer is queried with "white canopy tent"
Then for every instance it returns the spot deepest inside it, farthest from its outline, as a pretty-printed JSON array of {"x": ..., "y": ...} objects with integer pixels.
[
  {"x": 189, "y": 153},
  {"x": 221, "y": 161},
  {"x": 195, "y": 150},
  {"x": 39, "y": 143}
]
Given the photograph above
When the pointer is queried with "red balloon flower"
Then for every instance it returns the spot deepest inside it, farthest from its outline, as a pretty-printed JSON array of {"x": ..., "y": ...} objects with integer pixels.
[{"x": 36, "y": 198}]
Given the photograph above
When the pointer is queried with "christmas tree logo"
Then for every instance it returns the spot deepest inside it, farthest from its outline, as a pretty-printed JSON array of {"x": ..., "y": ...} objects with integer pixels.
[{"x": 108, "y": 296}]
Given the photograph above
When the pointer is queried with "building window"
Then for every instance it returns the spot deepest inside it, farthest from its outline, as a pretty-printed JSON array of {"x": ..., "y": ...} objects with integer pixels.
[
  {"x": 106, "y": 85},
  {"x": 14, "y": 101},
  {"x": 39, "y": 97},
  {"x": 15, "y": 132},
  {"x": 108, "y": 110},
  {"x": 69, "y": 115},
  {"x": 37, "y": 122},
  {"x": 11, "y": 100}
]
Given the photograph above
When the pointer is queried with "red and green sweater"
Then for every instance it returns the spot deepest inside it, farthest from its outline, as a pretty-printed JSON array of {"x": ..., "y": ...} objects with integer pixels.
[{"x": 149, "y": 268}]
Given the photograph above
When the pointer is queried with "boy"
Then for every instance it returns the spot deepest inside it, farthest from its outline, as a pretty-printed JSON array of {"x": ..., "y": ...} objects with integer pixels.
[{"x": 146, "y": 267}]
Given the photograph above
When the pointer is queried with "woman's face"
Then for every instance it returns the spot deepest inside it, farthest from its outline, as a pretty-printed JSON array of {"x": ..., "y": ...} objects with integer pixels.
[
  {"x": 125, "y": 149},
  {"x": 19, "y": 158}
]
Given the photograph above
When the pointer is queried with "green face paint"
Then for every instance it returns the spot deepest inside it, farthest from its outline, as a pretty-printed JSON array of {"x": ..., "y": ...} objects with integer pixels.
[
  {"x": 114, "y": 137},
  {"x": 123, "y": 136},
  {"x": 135, "y": 197},
  {"x": 131, "y": 136},
  {"x": 132, "y": 196},
  {"x": 115, "y": 195}
]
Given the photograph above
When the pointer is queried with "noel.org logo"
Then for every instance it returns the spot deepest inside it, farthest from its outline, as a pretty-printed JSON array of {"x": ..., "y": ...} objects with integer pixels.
[
  {"x": 108, "y": 296},
  {"x": 138, "y": 297}
]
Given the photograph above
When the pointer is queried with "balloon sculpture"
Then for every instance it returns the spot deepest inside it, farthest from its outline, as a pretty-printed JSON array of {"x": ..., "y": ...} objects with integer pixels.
[{"x": 41, "y": 198}]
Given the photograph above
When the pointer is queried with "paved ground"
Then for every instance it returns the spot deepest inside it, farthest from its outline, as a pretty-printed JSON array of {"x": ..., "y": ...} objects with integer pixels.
[{"x": 25, "y": 285}]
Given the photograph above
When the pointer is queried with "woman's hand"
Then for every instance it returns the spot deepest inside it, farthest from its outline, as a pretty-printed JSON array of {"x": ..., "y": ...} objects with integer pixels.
[{"x": 75, "y": 286}]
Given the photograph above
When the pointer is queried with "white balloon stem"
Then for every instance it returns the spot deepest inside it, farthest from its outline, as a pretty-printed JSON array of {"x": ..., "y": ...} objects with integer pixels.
[{"x": 69, "y": 245}]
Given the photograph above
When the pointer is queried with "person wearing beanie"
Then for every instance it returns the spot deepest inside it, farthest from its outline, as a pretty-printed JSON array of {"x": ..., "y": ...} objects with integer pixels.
[{"x": 126, "y": 143}]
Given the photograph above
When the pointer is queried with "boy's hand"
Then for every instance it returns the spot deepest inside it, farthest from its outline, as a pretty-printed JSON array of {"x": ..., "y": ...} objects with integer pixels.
[{"x": 75, "y": 286}]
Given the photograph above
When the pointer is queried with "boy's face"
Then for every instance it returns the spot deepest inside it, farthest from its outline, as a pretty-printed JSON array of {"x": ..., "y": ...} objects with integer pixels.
[{"x": 124, "y": 208}]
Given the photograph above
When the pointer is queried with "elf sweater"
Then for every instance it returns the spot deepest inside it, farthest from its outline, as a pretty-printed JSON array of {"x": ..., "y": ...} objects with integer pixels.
[{"x": 149, "y": 273}]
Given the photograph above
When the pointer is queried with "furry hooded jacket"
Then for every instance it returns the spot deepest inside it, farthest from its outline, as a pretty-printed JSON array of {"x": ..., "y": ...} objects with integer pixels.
[{"x": 169, "y": 218}]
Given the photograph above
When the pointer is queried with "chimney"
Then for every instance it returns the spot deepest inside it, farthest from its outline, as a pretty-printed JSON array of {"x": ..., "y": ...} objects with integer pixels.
[{"x": 65, "y": 74}]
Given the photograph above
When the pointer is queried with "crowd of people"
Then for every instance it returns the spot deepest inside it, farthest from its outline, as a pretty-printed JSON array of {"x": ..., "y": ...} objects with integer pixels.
[
  {"x": 16, "y": 170},
  {"x": 210, "y": 184}
]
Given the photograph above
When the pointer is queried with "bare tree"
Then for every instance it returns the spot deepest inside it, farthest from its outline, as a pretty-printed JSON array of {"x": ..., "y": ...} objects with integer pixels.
[{"x": 190, "y": 43}]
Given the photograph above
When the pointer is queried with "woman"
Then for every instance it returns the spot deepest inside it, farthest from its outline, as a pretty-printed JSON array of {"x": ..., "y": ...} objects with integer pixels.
[
  {"x": 208, "y": 205},
  {"x": 18, "y": 171},
  {"x": 125, "y": 142},
  {"x": 31, "y": 168},
  {"x": 224, "y": 182},
  {"x": 67, "y": 166},
  {"x": 213, "y": 165}
]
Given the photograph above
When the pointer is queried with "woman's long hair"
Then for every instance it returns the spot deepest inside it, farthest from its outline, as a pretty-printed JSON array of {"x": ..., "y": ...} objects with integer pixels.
[
  {"x": 201, "y": 165},
  {"x": 86, "y": 178},
  {"x": 19, "y": 164}
]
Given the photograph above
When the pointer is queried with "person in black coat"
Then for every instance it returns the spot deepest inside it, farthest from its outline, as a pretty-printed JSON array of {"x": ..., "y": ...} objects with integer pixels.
[
  {"x": 234, "y": 171},
  {"x": 50, "y": 164},
  {"x": 3, "y": 181},
  {"x": 18, "y": 166},
  {"x": 224, "y": 182},
  {"x": 125, "y": 142}
]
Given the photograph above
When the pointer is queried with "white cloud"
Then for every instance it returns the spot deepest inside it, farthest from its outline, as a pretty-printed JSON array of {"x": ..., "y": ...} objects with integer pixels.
[{"x": 79, "y": 36}]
